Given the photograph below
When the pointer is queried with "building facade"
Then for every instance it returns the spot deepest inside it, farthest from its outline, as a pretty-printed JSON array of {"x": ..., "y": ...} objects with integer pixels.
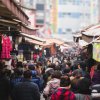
[
  {"x": 40, "y": 12},
  {"x": 35, "y": 9},
  {"x": 73, "y": 15},
  {"x": 53, "y": 16},
  {"x": 95, "y": 11}
]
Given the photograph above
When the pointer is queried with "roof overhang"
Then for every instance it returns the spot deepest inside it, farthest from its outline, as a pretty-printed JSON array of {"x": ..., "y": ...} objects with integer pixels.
[
  {"x": 92, "y": 31},
  {"x": 43, "y": 44},
  {"x": 9, "y": 9},
  {"x": 77, "y": 35},
  {"x": 83, "y": 43},
  {"x": 53, "y": 40},
  {"x": 33, "y": 37},
  {"x": 9, "y": 25},
  {"x": 34, "y": 41},
  {"x": 28, "y": 30}
]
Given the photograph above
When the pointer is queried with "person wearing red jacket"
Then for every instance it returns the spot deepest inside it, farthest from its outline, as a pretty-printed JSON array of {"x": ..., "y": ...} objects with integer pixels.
[{"x": 63, "y": 92}]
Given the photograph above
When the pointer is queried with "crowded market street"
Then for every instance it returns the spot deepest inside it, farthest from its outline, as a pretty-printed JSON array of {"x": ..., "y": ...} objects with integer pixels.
[{"x": 49, "y": 50}]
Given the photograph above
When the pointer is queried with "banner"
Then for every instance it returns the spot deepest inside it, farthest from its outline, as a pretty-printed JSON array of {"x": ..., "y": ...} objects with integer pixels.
[{"x": 96, "y": 51}]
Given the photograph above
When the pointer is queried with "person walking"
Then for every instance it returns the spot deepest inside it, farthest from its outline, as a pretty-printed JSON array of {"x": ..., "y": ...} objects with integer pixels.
[
  {"x": 52, "y": 85},
  {"x": 84, "y": 92},
  {"x": 63, "y": 92},
  {"x": 4, "y": 86},
  {"x": 26, "y": 90},
  {"x": 96, "y": 76}
]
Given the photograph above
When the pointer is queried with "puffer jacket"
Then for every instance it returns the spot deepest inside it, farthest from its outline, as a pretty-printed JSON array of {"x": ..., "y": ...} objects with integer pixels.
[{"x": 51, "y": 86}]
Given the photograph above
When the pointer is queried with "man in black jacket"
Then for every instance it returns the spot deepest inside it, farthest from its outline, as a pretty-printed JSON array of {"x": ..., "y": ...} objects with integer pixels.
[
  {"x": 26, "y": 90},
  {"x": 4, "y": 86}
]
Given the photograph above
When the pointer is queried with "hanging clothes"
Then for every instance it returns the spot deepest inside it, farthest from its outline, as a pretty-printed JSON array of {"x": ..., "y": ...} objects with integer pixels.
[{"x": 6, "y": 47}]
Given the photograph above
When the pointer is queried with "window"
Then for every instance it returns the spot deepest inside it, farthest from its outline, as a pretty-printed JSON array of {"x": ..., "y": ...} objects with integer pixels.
[
  {"x": 60, "y": 30},
  {"x": 28, "y": 3},
  {"x": 75, "y": 15},
  {"x": 70, "y": 14},
  {"x": 40, "y": 7},
  {"x": 61, "y": 15},
  {"x": 68, "y": 30},
  {"x": 39, "y": 21},
  {"x": 63, "y": 2}
]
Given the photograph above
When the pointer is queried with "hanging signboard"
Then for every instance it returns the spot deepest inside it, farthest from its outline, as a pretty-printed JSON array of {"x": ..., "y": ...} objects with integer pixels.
[{"x": 96, "y": 51}]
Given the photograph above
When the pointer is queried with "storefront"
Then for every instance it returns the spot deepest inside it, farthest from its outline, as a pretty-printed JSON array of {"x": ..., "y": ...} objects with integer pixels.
[
  {"x": 11, "y": 19},
  {"x": 30, "y": 47}
]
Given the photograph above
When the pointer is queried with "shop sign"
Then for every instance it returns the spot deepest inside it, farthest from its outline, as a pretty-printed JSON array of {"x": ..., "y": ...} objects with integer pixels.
[{"x": 96, "y": 51}]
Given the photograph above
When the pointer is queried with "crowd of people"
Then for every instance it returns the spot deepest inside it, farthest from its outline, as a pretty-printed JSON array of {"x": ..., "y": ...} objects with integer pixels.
[{"x": 56, "y": 78}]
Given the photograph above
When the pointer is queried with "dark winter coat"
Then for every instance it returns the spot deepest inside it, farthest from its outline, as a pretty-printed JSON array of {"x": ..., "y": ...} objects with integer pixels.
[
  {"x": 26, "y": 90},
  {"x": 4, "y": 88},
  {"x": 96, "y": 77}
]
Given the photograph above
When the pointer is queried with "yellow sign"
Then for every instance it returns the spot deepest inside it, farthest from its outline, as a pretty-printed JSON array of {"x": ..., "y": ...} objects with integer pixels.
[{"x": 96, "y": 51}]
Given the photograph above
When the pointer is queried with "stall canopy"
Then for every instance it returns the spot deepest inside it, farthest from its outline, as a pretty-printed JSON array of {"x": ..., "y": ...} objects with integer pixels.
[
  {"x": 92, "y": 26},
  {"x": 83, "y": 43},
  {"x": 44, "y": 44},
  {"x": 92, "y": 31},
  {"x": 34, "y": 41},
  {"x": 33, "y": 37},
  {"x": 53, "y": 40},
  {"x": 28, "y": 30}
]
